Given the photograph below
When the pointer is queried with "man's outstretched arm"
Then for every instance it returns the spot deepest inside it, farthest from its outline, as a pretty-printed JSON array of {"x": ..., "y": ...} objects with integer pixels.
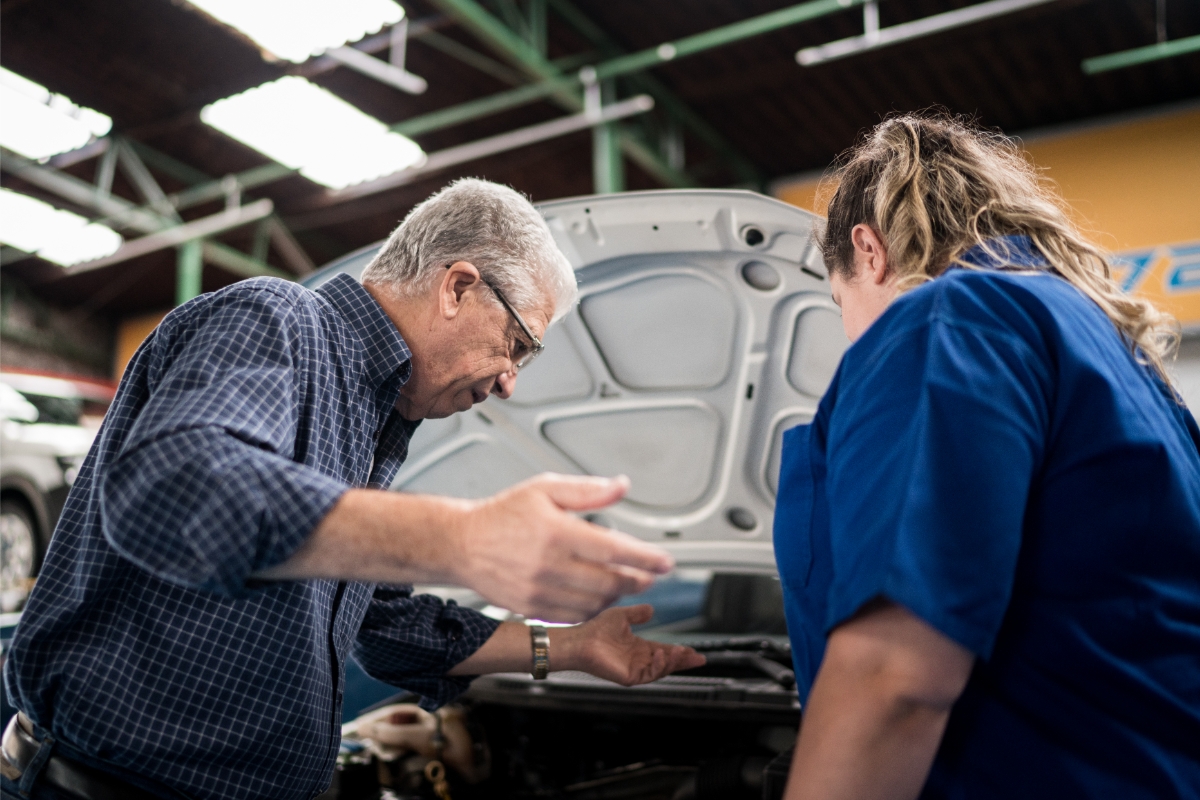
[
  {"x": 520, "y": 549},
  {"x": 604, "y": 646},
  {"x": 878, "y": 708}
]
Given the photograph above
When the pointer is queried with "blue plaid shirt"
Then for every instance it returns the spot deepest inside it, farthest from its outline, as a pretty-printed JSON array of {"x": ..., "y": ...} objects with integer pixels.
[{"x": 146, "y": 648}]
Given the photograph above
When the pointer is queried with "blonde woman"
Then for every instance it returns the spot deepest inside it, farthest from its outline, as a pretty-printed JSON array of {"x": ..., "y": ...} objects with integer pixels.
[{"x": 989, "y": 536}]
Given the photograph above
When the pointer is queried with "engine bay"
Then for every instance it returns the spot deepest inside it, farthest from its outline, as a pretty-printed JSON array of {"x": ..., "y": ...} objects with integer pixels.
[{"x": 724, "y": 730}]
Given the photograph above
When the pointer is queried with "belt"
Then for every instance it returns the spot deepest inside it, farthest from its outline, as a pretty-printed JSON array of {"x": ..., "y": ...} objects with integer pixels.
[{"x": 19, "y": 747}]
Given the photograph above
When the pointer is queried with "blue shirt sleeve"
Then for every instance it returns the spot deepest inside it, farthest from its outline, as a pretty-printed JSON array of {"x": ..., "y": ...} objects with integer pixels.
[
  {"x": 204, "y": 491},
  {"x": 413, "y": 641},
  {"x": 933, "y": 446}
]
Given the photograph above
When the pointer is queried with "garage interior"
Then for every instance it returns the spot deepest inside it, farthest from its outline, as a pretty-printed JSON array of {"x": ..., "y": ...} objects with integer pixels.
[{"x": 557, "y": 99}]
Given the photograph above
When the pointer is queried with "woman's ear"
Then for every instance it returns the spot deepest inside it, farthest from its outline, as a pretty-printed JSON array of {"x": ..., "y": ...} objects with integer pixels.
[{"x": 870, "y": 255}]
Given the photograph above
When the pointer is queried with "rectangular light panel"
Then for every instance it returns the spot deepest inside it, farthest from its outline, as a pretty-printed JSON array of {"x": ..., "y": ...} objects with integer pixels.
[
  {"x": 59, "y": 236},
  {"x": 298, "y": 29},
  {"x": 38, "y": 123},
  {"x": 306, "y": 127}
]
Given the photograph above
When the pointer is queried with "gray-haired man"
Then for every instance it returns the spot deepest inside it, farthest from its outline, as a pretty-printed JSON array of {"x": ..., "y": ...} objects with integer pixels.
[{"x": 215, "y": 563}]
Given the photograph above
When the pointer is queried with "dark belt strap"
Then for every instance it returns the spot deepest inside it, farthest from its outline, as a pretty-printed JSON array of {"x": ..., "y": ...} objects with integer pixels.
[{"x": 19, "y": 750}]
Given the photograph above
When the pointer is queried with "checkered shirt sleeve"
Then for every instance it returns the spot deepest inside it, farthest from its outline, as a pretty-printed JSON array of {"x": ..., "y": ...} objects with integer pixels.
[
  {"x": 413, "y": 641},
  {"x": 204, "y": 491}
]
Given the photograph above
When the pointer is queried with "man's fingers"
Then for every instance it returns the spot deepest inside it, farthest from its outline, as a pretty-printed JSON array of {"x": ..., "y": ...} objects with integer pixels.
[
  {"x": 686, "y": 658},
  {"x": 593, "y": 543},
  {"x": 641, "y": 613},
  {"x": 582, "y": 493},
  {"x": 598, "y": 580}
]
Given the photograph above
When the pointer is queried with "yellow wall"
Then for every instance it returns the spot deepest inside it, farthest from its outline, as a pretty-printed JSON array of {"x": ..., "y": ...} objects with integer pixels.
[
  {"x": 1135, "y": 185},
  {"x": 130, "y": 334}
]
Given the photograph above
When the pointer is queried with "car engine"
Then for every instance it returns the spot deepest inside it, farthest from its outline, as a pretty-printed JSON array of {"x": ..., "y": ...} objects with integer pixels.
[{"x": 724, "y": 730}]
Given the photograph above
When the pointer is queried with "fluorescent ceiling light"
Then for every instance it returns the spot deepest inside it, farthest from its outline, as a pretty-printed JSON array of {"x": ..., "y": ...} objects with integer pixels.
[
  {"x": 297, "y": 29},
  {"x": 55, "y": 235},
  {"x": 305, "y": 127},
  {"x": 38, "y": 124}
]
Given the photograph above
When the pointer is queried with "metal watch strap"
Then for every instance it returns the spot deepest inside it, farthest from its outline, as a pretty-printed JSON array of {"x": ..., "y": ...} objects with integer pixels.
[{"x": 539, "y": 638}]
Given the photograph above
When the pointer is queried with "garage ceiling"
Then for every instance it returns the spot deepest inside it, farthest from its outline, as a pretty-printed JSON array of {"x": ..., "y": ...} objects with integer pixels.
[{"x": 153, "y": 64}]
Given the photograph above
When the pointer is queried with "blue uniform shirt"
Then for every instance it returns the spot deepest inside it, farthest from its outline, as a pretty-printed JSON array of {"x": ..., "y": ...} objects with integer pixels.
[
  {"x": 990, "y": 456},
  {"x": 146, "y": 649}
]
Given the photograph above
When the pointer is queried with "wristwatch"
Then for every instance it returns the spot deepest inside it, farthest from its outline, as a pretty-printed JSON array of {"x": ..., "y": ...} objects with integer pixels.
[{"x": 540, "y": 640}]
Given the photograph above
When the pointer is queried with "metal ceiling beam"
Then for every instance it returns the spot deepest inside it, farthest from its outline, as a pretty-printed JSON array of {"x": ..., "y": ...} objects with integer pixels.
[
  {"x": 288, "y": 248},
  {"x": 523, "y": 55},
  {"x": 372, "y": 44},
  {"x": 237, "y": 262},
  {"x": 1141, "y": 55},
  {"x": 483, "y": 107},
  {"x": 498, "y": 144},
  {"x": 553, "y": 84},
  {"x": 189, "y": 271},
  {"x": 724, "y": 35},
  {"x": 666, "y": 100},
  {"x": 179, "y": 234},
  {"x": 122, "y": 213},
  {"x": 875, "y": 37},
  {"x": 216, "y": 189},
  {"x": 608, "y": 169},
  {"x": 204, "y": 189},
  {"x": 381, "y": 71},
  {"x": 117, "y": 211},
  {"x": 167, "y": 164}
]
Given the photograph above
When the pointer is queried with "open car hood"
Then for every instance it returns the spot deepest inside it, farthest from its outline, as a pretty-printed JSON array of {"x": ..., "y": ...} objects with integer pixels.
[{"x": 705, "y": 329}]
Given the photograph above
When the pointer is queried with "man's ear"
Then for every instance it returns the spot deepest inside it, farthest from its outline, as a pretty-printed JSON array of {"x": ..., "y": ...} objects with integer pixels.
[
  {"x": 452, "y": 290},
  {"x": 870, "y": 254}
]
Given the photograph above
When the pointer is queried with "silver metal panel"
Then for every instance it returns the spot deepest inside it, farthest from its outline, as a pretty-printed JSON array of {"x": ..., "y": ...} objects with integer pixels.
[
  {"x": 666, "y": 331},
  {"x": 668, "y": 452},
  {"x": 682, "y": 367},
  {"x": 817, "y": 348}
]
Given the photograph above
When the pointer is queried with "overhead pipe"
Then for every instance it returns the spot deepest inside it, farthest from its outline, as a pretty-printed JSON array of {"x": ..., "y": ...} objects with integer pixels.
[
  {"x": 381, "y": 71},
  {"x": 188, "y": 231},
  {"x": 882, "y": 37}
]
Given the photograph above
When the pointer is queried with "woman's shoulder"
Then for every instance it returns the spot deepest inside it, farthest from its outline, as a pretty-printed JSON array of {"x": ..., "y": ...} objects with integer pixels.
[
  {"x": 1022, "y": 314},
  {"x": 1030, "y": 305}
]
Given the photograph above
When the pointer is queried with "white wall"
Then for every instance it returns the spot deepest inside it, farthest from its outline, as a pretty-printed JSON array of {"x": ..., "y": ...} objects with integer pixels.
[{"x": 1187, "y": 373}]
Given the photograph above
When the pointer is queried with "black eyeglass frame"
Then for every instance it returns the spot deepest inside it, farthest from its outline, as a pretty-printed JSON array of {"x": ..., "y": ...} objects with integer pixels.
[{"x": 538, "y": 347}]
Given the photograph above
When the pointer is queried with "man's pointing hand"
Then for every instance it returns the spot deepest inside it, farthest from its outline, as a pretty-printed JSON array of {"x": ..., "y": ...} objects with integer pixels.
[{"x": 524, "y": 551}]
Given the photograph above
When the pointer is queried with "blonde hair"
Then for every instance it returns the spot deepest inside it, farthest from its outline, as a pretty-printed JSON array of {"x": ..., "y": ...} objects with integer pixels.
[{"x": 934, "y": 186}]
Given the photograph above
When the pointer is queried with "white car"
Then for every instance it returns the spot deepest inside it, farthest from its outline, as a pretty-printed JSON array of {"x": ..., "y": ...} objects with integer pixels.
[
  {"x": 41, "y": 447},
  {"x": 705, "y": 329}
]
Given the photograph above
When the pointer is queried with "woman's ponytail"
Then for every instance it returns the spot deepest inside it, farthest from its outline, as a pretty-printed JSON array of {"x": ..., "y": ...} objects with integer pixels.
[{"x": 934, "y": 186}]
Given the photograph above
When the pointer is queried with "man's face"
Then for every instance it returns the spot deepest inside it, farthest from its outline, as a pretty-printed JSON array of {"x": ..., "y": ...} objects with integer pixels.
[{"x": 465, "y": 346}]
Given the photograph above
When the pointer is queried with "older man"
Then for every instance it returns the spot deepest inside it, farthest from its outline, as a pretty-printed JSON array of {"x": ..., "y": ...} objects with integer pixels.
[{"x": 215, "y": 563}]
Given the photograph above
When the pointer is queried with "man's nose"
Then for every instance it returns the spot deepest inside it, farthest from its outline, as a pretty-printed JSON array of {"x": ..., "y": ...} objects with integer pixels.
[{"x": 505, "y": 385}]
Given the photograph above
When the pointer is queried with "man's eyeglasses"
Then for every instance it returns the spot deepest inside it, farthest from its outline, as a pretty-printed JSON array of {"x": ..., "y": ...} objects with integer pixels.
[{"x": 520, "y": 360}]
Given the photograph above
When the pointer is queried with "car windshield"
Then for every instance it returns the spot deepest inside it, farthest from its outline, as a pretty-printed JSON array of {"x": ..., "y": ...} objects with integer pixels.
[{"x": 56, "y": 410}]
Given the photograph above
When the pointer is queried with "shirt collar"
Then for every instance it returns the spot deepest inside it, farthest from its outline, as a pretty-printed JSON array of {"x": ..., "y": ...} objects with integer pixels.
[
  {"x": 386, "y": 351},
  {"x": 1004, "y": 252}
]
